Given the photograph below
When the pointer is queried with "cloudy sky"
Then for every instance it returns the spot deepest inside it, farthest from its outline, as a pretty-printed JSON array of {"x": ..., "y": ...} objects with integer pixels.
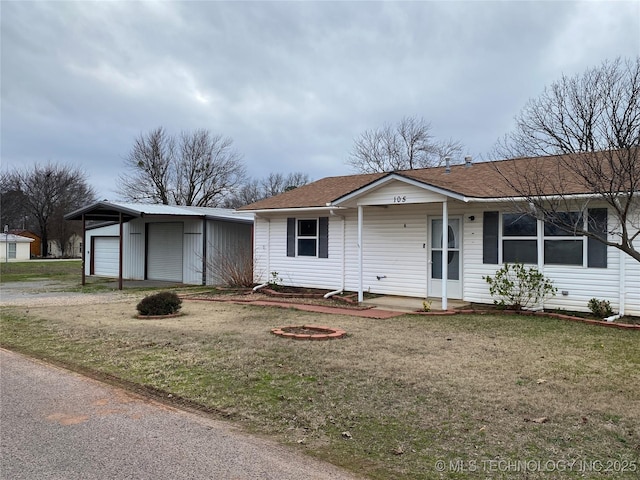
[{"x": 292, "y": 83}]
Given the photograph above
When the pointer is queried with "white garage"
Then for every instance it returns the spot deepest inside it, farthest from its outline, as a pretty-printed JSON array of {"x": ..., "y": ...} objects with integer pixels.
[
  {"x": 161, "y": 242},
  {"x": 105, "y": 260}
]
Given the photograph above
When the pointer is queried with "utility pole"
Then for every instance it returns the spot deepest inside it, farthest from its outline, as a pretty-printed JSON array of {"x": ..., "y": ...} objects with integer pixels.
[{"x": 6, "y": 243}]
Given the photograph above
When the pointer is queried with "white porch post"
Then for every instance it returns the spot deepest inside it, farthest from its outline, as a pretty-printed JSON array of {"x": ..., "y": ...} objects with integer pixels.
[
  {"x": 360, "y": 290},
  {"x": 445, "y": 252}
]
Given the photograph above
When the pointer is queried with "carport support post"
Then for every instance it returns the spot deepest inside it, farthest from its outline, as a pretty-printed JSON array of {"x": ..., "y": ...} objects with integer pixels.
[
  {"x": 84, "y": 248},
  {"x": 120, "y": 253},
  {"x": 445, "y": 252},
  {"x": 204, "y": 251}
]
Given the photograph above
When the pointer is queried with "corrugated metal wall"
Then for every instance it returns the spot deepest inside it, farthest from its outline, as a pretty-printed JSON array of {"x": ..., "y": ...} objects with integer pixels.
[{"x": 228, "y": 246}]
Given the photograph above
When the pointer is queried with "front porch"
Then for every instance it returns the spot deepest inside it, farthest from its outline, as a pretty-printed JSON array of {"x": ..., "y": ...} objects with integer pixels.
[{"x": 412, "y": 304}]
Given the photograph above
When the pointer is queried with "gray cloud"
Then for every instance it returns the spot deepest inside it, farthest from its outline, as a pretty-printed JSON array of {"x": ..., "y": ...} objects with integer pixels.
[{"x": 291, "y": 82}]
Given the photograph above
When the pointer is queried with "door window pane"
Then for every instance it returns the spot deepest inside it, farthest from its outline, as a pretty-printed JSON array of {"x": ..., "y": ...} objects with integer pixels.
[{"x": 436, "y": 233}]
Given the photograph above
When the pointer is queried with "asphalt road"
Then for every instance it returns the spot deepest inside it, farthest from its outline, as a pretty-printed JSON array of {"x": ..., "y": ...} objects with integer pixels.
[{"x": 55, "y": 424}]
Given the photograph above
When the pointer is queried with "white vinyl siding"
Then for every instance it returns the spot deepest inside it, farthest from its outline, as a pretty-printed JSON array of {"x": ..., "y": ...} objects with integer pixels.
[
  {"x": 394, "y": 250},
  {"x": 313, "y": 272},
  {"x": 632, "y": 280},
  {"x": 164, "y": 251},
  {"x": 580, "y": 283},
  {"x": 395, "y": 253},
  {"x": 106, "y": 251}
]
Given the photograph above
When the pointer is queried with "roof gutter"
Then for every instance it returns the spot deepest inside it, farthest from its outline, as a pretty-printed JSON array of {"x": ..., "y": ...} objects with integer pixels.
[
  {"x": 294, "y": 210},
  {"x": 574, "y": 196}
]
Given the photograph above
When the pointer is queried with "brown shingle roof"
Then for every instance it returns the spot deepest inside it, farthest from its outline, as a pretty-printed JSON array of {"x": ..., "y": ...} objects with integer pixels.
[
  {"x": 316, "y": 194},
  {"x": 500, "y": 179}
]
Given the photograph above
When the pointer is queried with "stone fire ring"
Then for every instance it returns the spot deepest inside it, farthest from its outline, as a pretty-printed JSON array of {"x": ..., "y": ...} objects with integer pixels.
[{"x": 308, "y": 332}]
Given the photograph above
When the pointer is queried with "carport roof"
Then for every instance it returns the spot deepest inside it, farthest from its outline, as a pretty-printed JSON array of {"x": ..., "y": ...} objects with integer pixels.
[{"x": 106, "y": 211}]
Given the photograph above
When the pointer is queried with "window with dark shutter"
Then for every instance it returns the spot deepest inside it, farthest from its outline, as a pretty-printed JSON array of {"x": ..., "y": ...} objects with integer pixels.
[
  {"x": 291, "y": 237},
  {"x": 490, "y": 226},
  {"x": 323, "y": 237},
  {"x": 597, "y": 250}
]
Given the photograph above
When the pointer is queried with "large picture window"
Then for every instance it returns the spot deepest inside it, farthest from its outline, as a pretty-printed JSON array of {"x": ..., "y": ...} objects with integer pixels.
[{"x": 519, "y": 235}]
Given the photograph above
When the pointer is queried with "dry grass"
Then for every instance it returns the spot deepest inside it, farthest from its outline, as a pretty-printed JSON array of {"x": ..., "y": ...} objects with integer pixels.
[{"x": 409, "y": 391}]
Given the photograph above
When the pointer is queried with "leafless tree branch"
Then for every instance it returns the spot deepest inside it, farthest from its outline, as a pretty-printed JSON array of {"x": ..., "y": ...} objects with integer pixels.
[
  {"x": 596, "y": 112},
  {"x": 404, "y": 146}
]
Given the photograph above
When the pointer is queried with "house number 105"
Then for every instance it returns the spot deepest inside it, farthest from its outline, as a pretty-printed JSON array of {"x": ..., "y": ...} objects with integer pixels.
[{"x": 399, "y": 199}]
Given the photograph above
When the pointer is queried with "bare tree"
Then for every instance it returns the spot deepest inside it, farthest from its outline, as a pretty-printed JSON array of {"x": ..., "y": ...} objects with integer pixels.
[
  {"x": 404, "y": 146},
  {"x": 598, "y": 112},
  {"x": 47, "y": 193},
  {"x": 197, "y": 169},
  {"x": 149, "y": 168},
  {"x": 277, "y": 183},
  {"x": 270, "y": 186}
]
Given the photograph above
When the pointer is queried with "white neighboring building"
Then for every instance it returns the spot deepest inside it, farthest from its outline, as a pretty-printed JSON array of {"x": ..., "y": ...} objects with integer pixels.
[
  {"x": 73, "y": 247},
  {"x": 162, "y": 242},
  {"x": 14, "y": 248}
]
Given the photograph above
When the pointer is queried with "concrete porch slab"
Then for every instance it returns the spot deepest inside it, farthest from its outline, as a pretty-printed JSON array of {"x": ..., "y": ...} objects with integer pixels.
[{"x": 412, "y": 304}]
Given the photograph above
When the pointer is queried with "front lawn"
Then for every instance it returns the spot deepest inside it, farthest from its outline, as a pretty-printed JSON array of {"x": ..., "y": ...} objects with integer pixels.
[
  {"x": 413, "y": 397},
  {"x": 59, "y": 270}
]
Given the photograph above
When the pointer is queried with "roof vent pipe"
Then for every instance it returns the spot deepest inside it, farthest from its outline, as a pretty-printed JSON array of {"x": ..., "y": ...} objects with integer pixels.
[
  {"x": 447, "y": 164},
  {"x": 467, "y": 161}
]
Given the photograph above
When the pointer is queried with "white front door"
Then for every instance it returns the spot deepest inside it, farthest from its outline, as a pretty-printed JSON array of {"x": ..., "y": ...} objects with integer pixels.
[{"x": 454, "y": 260}]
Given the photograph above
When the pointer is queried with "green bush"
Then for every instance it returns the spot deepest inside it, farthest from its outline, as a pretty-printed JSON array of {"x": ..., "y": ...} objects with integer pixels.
[
  {"x": 163, "y": 303},
  {"x": 600, "y": 308},
  {"x": 516, "y": 287}
]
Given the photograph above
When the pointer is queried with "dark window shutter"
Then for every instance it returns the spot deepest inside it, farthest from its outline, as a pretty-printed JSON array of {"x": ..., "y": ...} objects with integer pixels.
[
  {"x": 291, "y": 237},
  {"x": 323, "y": 237},
  {"x": 596, "y": 250},
  {"x": 490, "y": 226}
]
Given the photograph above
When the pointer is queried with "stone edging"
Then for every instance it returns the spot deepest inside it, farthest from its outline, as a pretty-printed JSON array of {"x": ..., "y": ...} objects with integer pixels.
[
  {"x": 154, "y": 317},
  {"x": 324, "y": 333},
  {"x": 624, "y": 326}
]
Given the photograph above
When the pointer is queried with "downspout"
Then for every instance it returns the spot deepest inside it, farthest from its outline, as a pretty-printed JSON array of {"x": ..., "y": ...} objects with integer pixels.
[
  {"x": 540, "y": 253},
  {"x": 445, "y": 252},
  {"x": 343, "y": 268},
  {"x": 622, "y": 282},
  {"x": 120, "y": 253},
  {"x": 360, "y": 255},
  {"x": 262, "y": 285}
]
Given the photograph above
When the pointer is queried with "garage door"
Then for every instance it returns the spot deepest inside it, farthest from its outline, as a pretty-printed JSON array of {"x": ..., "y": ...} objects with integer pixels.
[
  {"x": 105, "y": 256},
  {"x": 164, "y": 251}
]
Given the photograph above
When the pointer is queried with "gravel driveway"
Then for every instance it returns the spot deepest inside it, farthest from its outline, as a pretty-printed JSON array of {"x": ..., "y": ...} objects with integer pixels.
[{"x": 50, "y": 292}]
